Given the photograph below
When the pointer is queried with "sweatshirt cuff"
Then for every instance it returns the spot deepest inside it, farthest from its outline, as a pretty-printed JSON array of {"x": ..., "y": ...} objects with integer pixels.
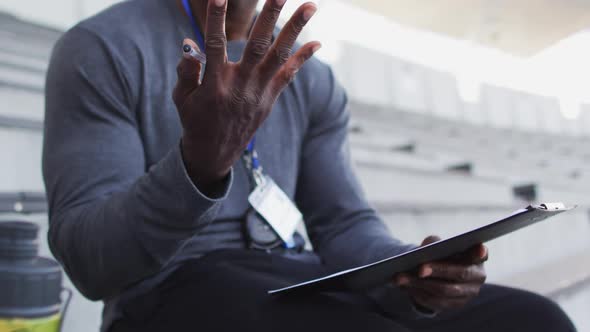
[
  {"x": 219, "y": 196},
  {"x": 182, "y": 204},
  {"x": 165, "y": 208}
]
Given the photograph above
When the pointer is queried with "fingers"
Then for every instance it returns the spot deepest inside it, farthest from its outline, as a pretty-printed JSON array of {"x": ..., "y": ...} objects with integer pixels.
[
  {"x": 261, "y": 35},
  {"x": 215, "y": 39},
  {"x": 475, "y": 255},
  {"x": 479, "y": 254},
  {"x": 443, "y": 289},
  {"x": 453, "y": 272},
  {"x": 280, "y": 51},
  {"x": 437, "y": 303},
  {"x": 290, "y": 69},
  {"x": 446, "y": 284},
  {"x": 188, "y": 71},
  {"x": 438, "y": 294},
  {"x": 429, "y": 240}
]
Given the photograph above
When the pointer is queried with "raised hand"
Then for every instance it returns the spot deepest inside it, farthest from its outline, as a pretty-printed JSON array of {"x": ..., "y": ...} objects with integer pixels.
[{"x": 221, "y": 114}]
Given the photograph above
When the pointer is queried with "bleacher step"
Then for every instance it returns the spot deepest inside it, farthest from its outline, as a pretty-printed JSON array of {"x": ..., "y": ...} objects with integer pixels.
[
  {"x": 20, "y": 169},
  {"x": 21, "y": 104},
  {"x": 23, "y": 61},
  {"x": 22, "y": 79},
  {"x": 553, "y": 278}
]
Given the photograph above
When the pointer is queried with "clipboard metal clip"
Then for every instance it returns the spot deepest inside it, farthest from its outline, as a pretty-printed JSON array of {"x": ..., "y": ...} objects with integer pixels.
[{"x": 552, "y": 206}]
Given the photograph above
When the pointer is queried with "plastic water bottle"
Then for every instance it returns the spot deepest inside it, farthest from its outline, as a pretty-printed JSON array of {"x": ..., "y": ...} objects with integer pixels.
[{"x": 30, "y": 286}]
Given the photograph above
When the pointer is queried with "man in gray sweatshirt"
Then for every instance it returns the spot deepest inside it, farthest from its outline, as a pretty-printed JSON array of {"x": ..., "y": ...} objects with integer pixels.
[{"x": 149, "y": 171}]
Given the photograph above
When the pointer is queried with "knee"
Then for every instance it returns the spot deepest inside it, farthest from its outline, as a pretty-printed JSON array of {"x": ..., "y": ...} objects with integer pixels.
[{"x": 542, "y": 313}]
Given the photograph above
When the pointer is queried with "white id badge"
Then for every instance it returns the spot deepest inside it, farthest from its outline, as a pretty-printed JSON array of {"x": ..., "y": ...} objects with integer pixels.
[{"x": 271, "y": 202}]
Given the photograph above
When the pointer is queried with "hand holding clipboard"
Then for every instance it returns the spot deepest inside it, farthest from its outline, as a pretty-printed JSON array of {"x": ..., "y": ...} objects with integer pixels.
[{"x": 381, "y": 272}]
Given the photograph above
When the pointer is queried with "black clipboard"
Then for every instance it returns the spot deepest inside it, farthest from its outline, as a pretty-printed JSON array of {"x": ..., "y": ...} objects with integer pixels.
[{"x": 379, "y": 273}]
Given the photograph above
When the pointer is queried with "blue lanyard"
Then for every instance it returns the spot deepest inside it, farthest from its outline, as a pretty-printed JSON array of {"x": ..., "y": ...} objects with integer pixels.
[
  {"x": 250, "y": 150},
  {"x": 198, "y": 34}
]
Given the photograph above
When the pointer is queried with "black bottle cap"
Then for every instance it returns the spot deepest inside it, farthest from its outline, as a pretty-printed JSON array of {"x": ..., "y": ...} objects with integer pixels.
[
  {"x": 30, "y": 286},
  {"x": 18, "y": 240}
]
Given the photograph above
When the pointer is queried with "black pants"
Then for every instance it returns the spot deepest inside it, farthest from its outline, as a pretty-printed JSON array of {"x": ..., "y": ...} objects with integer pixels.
[{"x": 226, "y": 291}]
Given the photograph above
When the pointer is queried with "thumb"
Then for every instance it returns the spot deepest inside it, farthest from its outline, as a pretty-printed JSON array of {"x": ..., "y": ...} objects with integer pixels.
[
  {"x": 429, "y": 240},
  {"x": 188, "y": 71}
]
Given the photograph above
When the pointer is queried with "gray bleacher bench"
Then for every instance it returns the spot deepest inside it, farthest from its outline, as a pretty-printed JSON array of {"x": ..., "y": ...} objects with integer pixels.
[
  {"x": 23, "y": 202},
  {"x": 20, "y": 123}
]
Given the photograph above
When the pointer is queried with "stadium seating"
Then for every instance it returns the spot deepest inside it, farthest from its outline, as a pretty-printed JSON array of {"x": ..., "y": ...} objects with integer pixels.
[
  {"x": 426, "y": 172},
  {"x": 419, "y": 192}
]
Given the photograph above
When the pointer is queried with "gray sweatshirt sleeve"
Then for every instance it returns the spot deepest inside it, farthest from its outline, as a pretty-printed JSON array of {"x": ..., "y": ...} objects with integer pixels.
[
  {"x": 112, "y": 221},
  {"x": 343, "y": 228}
]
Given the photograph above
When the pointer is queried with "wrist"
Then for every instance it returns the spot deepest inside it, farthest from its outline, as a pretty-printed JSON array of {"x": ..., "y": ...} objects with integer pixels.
[{"x": 209, "y": 179}]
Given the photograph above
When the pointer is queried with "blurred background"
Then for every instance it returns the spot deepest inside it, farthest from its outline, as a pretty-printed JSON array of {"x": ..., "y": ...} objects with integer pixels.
[{"x": 463, "y": 110}]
